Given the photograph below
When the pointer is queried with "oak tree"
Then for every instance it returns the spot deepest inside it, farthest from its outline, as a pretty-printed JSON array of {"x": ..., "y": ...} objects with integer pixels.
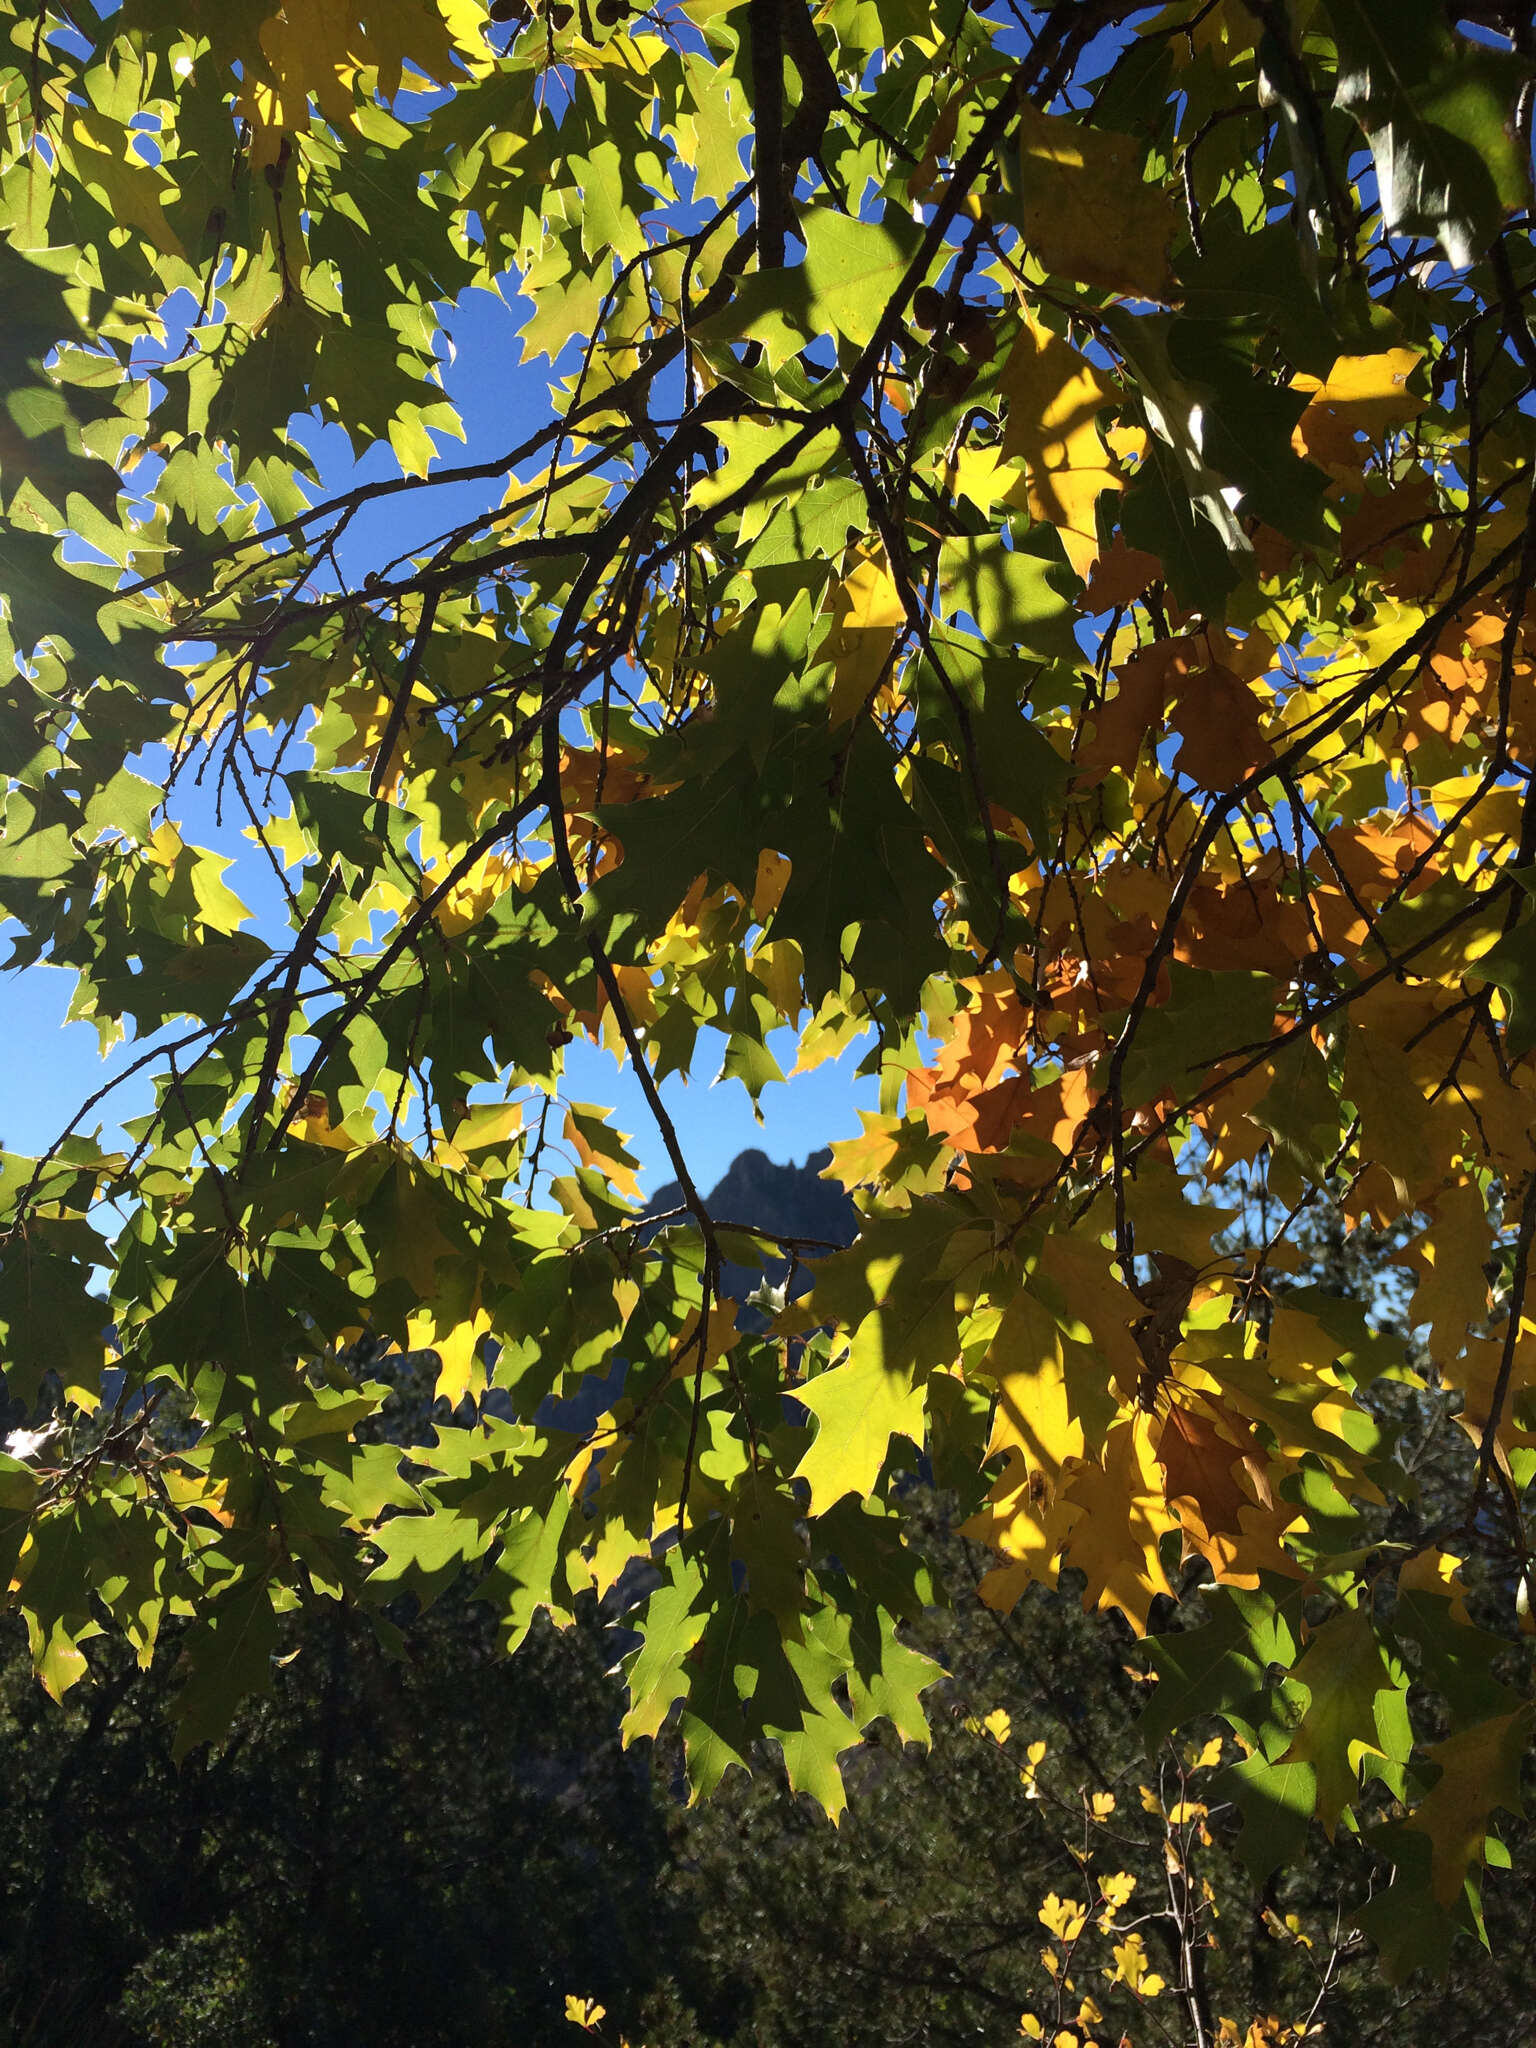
[{"x": 1026, "y": 568}]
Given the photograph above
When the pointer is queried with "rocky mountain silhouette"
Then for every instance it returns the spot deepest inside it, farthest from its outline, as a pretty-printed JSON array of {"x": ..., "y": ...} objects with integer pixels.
[{"x": 793, "y": 1201}]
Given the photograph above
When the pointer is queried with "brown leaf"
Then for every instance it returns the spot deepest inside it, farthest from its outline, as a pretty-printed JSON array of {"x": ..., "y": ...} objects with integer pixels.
[{"x": 1217, "y": 716}]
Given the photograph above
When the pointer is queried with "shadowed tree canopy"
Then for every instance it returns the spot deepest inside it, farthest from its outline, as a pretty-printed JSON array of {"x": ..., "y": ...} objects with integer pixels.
[{"x": 1025, "y": 566}]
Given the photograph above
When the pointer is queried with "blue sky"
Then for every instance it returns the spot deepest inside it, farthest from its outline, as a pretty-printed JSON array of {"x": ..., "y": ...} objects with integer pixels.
[{"x": 51, "y": 1067}]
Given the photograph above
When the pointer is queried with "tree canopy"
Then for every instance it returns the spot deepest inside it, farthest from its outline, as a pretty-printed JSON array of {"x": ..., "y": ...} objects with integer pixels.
[{"x": 1026, "y": 568}]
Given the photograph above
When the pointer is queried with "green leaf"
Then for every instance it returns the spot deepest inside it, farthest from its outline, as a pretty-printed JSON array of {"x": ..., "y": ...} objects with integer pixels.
[
  {"x": 1017, "y": 598},
  {"x": 1223, "y": 1667},
  {"x": 889, "y": 1679},
  {"x": 1510, "y": 964},
  {"x": 1245, "y": 427},
  {"x": 227, "y": 1656},
  {"x": 1276, "y": 1802},
  {"x": 49, "y": 1321},
  {"x": 672, "y": 1623},
  {"x": 1345, "y": 1673},
  {"x": 851, "y": 267},
  {"x": 1160, "y": 516},
  {"x": 1440, "y": 116},
  {"x": 1206, "y": 1014}
]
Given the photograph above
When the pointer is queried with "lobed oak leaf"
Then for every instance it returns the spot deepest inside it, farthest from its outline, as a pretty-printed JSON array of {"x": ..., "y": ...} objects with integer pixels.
[
  {"x": 1054, "y": 397},
  {"x": 1053, "y": 1113},
  {"x": 1144, "y": 686},
  {"x": 1085, "y": 211},
  {"x": 597, "y": 1145},
  {"x": 1226, "y": 1123},
  {"x": 1244, "y": 922},
  {"x": 1477, "y": 1373},
  {"x": 1218, "y": 718},
  {"x": 1449, "y": 1258},
  {"x": 1349, "y": 1713},
  {"x": 1078, "y": 1275},
  {"x": 1370, "y": 393},
  {"x": 859, "y": 1406},
  {"x": 1200, "y": 1464},
  {"x": 1124, "y": 1519},
  {"x": 1120, "y": 574},
  {"x": 1034, "y": 1413},
  {"x": 1026, "y": 1528},
  {"x": 453, "y": 1327},
  {"x": 1480, "y": 1770},
  {"x": 1408, "y": 1137},
  {"x": 867, "y": 614}
]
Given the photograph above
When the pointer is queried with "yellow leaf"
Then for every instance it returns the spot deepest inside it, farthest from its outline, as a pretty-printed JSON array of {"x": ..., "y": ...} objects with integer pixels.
[
  {"x": 1115, "y": 1539},
  {"x": 1085, "y": 210},
  {"x": 859, "y": 1406},
  {"x": 867, "y": 614},
  {"x": 1033, "y": 1412},
  {"x": 1097, "y": 1306},
  {"x": 1035, "y": 1756},
  {"x": 780, "y": 966},
  {"x": 471, "y": 895},
  {"x": 1065, "y": 1918},
  {"x": 771, "y": 881},
  {"x": 1054, "y": 396},
  {"x": 597, "y": 1145},
  {"x": 1131, "y": 1968},
  {"x": 1436, "y": 1572},
  {"x": 314, "y": 1127},
  {"x": 453, "y": 1335},
  {"x": 1368, "y": 392},
  {"x": 487, "y": 1123},
  {"x": 1411, "y": 1138},
  {"x": 719, "y": 1338},
  {"x": 998, "y": 1724},
  {"x": 1184, "y": 1810},
  {"x": 1117, "y": 1889},
  {"x": 981, "y": 475},
  {"x": 1477, "y": 1373}
]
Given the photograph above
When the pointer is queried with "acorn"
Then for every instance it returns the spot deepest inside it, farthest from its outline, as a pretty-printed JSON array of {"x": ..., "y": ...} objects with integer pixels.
[
  {"x": 927, "y": 307},
  {"x": 974, "y": 332}
]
